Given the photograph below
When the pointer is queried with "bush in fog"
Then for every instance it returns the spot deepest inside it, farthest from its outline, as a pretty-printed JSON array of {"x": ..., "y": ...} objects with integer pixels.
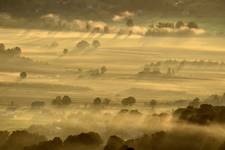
[
  {"x": 129, "y": 101},
  {"x": 135, "y": 112},
  {"x": 192, "y": 25},
  {"x": 179, "y": 24},
  {"x": 123, "y": 111},
  {"x": 216, "y": 99},
  {"x": 103, "y": 69},
  {"x": 195, "y": 103},
  {"x": 165, "y": 25},
  {"x": 23, "y": 75},
  {"x": 82, "y": 45},
  {"x": 129, "y": 112},
  {"x": 153, "y": 103},
  {"x": 65, "y": 101},
  {"x": 97, "y": 101},
  {"x": 37, "y": 104},
  {"x": 2, "y": 47},
  {"x": 96, "y": 44},
  {"x": 106, "y": 29},
  {"x": 65, "y": 51},
  {"x": 130, "y": 22}
]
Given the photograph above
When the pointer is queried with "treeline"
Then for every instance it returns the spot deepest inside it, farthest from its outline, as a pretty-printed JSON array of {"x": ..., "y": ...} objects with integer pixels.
[
  {"x": 10, "y": 52},
  {"x": 170, "y": 140},
  {"x": 34, "y": 8}
]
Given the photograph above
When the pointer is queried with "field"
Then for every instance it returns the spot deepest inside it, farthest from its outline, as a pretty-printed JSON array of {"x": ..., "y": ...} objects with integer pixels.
[{"x": 53, "y": 73}]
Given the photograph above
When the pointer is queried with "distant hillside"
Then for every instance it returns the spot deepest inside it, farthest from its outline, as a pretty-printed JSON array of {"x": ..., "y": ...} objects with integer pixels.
[{"x": 106, "y": 8}]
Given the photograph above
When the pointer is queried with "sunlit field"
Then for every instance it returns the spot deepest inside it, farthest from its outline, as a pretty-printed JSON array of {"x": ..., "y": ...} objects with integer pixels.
[{"x": 53, "y": 73}]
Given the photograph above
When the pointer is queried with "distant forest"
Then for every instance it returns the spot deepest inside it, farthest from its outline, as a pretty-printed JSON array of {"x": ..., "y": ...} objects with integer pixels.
[{"x": 106, "y": 8}]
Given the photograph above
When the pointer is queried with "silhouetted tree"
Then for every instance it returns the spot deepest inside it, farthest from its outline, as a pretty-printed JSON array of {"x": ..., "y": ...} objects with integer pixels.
[
  {"x": 83, "y": 44},
  {"x": 153, "y": 103},
  {"x": 66, "y": 100},
  {"x": 23, "y": 75},
  {"x": 179, "y": 24},
  {"x": 129, "y": 101},
  {"x": 65, "y": 51},
  {"x": 97, "y": 101},
  {"x": 2, "y": 47}
]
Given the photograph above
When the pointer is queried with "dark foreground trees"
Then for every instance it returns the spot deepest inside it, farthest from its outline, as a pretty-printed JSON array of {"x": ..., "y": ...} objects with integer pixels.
[
  {"x": 175, "y": 139},
  {"x": 17, "y": 140},
  {"x": 204, "y": 115},
  {"x": 83, "y": 141}
]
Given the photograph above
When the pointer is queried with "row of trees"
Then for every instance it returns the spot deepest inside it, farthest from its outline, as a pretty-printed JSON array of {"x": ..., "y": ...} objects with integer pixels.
[
  {"x": 62, "y": 101},
  {"x": 66, "y": 101},
  {"x": 205, "y": 114},
  {"x": 178, "y": 25},
  {"x": 84, "y": 44},
  {"x": 10, "y": 52}
]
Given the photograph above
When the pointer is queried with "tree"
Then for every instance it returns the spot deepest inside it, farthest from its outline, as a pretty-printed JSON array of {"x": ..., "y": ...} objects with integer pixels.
[
  {"x": 153, "y": 103},
  {"x": 96, "y": 44},
  {"x": 83, "y": 44},
  {"x": 37, "y": 104},
  {"x": 129, "y": 101},
  {"x": 65, "y": 51},
  {"x": 179, "y": 24},
  {"x": 195, "y": 103},
  {"x": 130, "y": 22},
  {"x": 17, "y": 51},
  {"x": 103, "y": 69},
  {"x": 57, "y": 101},
  {"x": 23, "y": 75},
  {"x": 97, "y": 101},
  {"x": 2, "y": 47},
  {"x": 66, "y": 100}
]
